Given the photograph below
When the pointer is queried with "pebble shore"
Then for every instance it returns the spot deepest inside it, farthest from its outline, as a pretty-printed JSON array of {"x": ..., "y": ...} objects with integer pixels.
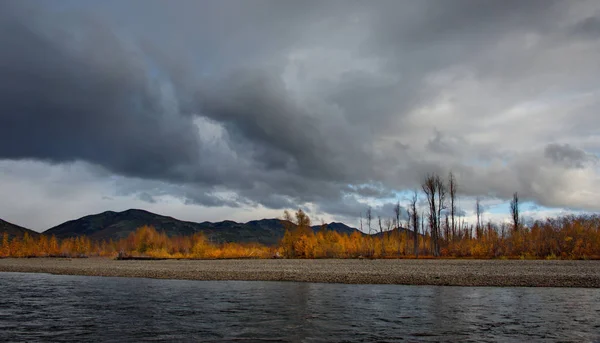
[{"x": 528, "y": 273}]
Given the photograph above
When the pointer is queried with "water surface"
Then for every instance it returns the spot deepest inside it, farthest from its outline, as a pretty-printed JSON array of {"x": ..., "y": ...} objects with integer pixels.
[{"x": 43, "y": 307}]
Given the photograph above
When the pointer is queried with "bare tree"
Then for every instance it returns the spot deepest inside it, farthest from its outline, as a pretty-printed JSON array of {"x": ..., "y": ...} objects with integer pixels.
[
  {"x": 435, "y": 191},
  {"x": 490, "y": 228},
  {"x": 361, "y": 222},
  {"x": 478, "y": 212},
  {"x": 369, "y": 216},
  {"x": 382, "y": 236},
  {"x": 423, "y": 222},
  {"x": 430, "y": 190},
  {"x": 446, "y": 228},
  {"x": 389, "y": 224},
  {"x": 514, "y": 210},
  {"x": 441, "y": 200},
  {"x": 414, "y": 217},
  {"x": 452, "y": 190},
  {"x": 397, "y": 213}
]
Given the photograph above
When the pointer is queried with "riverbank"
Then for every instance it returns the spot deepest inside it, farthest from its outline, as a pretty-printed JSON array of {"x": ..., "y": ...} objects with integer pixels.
[{"x": 528, "y": 273}]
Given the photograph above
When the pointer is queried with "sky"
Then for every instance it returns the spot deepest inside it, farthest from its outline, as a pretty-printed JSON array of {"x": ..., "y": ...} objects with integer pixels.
[{"x": 239, "y": 109}]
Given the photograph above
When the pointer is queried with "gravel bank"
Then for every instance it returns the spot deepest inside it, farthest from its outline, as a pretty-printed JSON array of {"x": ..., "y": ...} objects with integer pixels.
[{"x": 406, "y": 272}]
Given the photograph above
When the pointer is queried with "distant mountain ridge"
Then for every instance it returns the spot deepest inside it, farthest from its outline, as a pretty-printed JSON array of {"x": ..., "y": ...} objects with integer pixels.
[
  {"x": 15, "y": 230},
  {"x": 117, "y": 225}
]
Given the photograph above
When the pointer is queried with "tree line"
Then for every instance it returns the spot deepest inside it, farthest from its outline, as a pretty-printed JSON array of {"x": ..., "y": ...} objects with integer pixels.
[
  {"x": 568, "y": 237},
  {"x": 441, "y": 199},
  {"x": 145, "y": 241},
  {"x": 436, "y": 231}
]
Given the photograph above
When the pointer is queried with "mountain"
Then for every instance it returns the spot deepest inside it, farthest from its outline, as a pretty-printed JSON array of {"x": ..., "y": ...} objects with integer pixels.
[
  {"x": 394, "y": 232},
  {"x": 117, "y": 225},
  {"x": 15, "y": 230},
  {"x": 339, "y": 227}
]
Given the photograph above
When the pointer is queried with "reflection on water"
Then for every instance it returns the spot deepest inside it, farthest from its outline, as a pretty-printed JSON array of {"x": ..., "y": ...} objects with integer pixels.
[{"x": 42, "y": 307}]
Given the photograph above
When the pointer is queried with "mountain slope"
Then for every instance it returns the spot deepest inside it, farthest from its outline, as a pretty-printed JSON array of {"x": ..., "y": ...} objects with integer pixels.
[
  {"x": 394, "y": 232},
  {"x": 339, "y": 227},
  {"x": 15, "y": 230},
  {"x": 117, "y": 225}
]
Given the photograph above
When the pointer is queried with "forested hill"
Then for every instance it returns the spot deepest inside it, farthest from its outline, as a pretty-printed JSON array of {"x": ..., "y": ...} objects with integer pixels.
[
  {"x": 117, "y": 225},
  {"x": 15, "y": 230}
]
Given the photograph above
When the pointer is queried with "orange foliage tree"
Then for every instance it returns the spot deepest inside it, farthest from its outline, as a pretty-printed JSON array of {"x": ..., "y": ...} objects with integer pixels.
[{"x": 568, "y": 237}]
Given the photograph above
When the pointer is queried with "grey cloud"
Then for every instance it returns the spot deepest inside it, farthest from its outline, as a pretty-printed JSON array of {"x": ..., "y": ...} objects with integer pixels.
[
  {"x": 256, "y": 110},
  {"x": 568, "y": 155},
  {"x": 354, "y": 119},
  {"x": 349, "y": 209},
  {"x": 145, "y": 196},
  {"x": 387, "y": 211},
  {"x": 588, "y": 28},
  {"x": 449, "y": 35},
  {"x": 372, "y": 191},
  {"x": 461, "y": 212},
  {"x": 66, "y": 98},
  {"x": 151, "y": 191},
  {"x": 442, "y": 144}
]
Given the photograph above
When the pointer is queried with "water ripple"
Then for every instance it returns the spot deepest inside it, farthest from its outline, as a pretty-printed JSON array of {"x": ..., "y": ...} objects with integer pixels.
[{"x": 53, "y": 308}]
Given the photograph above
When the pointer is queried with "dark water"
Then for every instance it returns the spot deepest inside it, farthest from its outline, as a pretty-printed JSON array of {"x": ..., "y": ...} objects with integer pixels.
[{"x": 41, "y": 307}]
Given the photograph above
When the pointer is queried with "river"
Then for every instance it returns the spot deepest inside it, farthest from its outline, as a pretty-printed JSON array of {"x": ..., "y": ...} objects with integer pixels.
[{"x": 44, "y": 307}]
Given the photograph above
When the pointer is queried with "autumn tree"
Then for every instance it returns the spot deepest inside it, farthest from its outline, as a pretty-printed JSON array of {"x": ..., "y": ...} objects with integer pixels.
[
  {"x": 299, "y": 239},
  {"x": 5, "y": 245},
  {"x": 287, "y": 243},
  {"x": 53, "y": 246},
  {"x": 43, "y": 246},
  {"x": 568, "y": 237},
  {"x": 27, "y": 246}
]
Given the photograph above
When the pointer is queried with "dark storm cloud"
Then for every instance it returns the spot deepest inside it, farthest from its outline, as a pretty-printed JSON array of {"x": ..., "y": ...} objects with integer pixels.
[
  {"x": 256, "y": 110},
  {"x": 68, "y": 96},
  {"x": 298, "y": 102}
]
